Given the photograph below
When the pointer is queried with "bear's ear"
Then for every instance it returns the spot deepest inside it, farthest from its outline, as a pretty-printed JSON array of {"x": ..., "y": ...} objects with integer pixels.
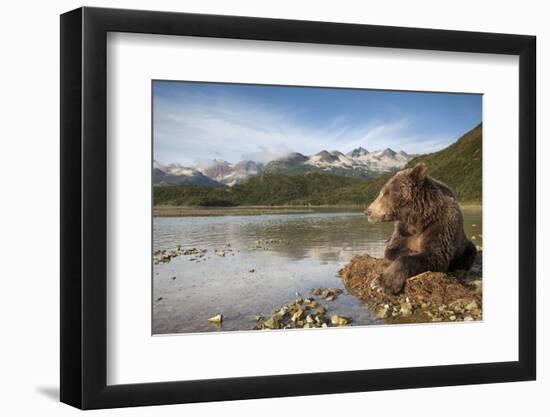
[{"x": 419, "y": 172}]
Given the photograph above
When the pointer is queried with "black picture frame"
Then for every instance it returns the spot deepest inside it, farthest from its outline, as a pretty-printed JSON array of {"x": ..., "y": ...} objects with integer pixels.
[{"x": 84, "y": 207}]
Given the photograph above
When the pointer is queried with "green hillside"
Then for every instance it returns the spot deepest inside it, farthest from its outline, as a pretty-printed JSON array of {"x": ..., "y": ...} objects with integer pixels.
[
  {"x": 458, "y": 165},
  {"x": 262, "y": 189},
  {"x": 277, "y": 189}
]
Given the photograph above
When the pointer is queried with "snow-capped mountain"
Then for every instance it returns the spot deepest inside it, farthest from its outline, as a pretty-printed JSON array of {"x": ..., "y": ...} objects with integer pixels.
[
  {"x": 360, "y": 159},
  {"x": 380, "y": 161},
  {"x": 357, "y": 152},
  {"x": 230, "y": 174},
  {"x": 358, "y": 163},
  {"x": 175, "y": 174}
]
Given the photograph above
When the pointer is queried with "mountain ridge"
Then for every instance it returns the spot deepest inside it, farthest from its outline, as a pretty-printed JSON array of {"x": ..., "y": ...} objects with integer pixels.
[
  {"x": 358, "y": 163},
  {"x": 459, "y": 166},
  {"x": 175, "y": 174}
]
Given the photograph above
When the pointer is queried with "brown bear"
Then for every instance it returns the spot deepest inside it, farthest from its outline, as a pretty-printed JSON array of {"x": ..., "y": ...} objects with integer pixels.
[{"x": 428, "y": 230}]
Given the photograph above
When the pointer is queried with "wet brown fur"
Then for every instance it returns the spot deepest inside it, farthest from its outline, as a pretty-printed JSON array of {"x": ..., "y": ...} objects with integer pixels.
[{"x": 428, "y": 230}]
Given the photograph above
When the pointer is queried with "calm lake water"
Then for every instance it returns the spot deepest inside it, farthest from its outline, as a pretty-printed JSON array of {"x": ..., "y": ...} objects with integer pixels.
[{"x": 306, "y": 251}]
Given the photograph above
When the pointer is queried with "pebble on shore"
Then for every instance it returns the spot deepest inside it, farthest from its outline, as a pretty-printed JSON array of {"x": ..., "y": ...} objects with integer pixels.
[
  {"x": 161, "y": 256},
  {"x": 302, "y": 313},
  {"x": 217, "y": 319}
]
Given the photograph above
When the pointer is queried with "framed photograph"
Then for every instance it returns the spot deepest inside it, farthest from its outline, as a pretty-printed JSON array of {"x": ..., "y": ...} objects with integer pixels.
[{"x": 256, "y": 208}]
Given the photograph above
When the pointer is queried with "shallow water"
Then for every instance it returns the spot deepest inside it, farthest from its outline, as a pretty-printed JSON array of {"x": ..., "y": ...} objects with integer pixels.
[{"x": 306, "y": 251}]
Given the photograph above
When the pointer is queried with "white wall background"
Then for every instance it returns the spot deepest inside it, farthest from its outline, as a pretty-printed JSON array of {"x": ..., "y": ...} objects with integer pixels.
[{"x": 29, "y": 228}]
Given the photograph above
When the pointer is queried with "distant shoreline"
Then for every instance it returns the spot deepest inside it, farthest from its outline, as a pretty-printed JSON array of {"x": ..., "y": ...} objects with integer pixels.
[{"x": 194, "y": 211}]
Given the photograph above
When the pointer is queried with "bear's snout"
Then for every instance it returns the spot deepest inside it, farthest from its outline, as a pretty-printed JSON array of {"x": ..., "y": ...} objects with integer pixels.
[
  {"x": 376, "y": 212},
  {"x": 371, "y": 215}
]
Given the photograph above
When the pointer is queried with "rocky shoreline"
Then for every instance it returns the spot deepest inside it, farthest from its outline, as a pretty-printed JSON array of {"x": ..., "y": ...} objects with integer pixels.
[
  {"x": 305, "y": 313},
  {"x": 427, "y": 297}
]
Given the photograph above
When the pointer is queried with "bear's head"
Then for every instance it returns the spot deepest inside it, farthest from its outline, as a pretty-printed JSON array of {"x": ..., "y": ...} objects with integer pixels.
[{"x": 398, "y": 197}]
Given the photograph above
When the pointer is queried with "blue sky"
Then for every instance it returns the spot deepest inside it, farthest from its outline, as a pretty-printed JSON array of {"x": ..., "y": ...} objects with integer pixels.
[{"x": 198, "y": 122}]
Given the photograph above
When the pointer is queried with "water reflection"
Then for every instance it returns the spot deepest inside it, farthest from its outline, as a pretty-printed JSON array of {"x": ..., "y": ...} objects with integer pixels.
[
  {"x": 325, "y": 236},
  {"x": 289, "y": 253}
]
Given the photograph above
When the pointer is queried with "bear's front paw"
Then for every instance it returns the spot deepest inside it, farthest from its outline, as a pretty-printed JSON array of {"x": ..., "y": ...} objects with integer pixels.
[
  {"x": 375, "y": 284},
  {"x": 390, "y": 283}
]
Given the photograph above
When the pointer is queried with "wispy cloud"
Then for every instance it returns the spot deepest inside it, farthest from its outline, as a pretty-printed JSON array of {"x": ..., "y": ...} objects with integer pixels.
[{"x": 192, "y": 128}]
